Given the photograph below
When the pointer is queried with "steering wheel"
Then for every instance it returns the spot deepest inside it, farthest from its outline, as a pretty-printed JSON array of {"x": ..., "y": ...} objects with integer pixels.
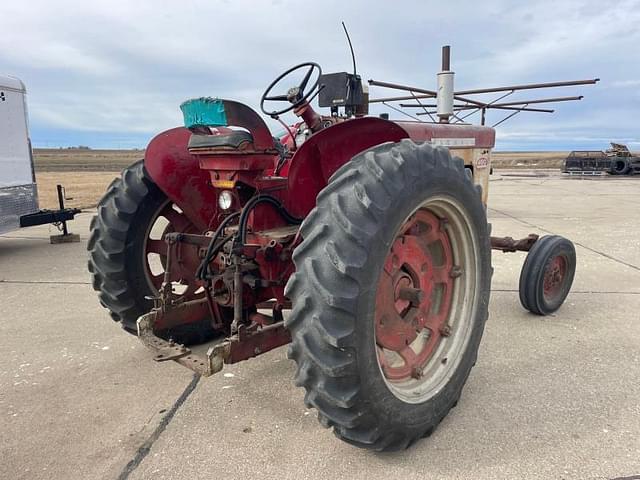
[{"x": 296, "y": 95}]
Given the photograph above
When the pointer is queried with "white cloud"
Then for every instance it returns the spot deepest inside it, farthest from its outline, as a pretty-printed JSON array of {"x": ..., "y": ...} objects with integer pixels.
[{"x": 125, "y": 66}]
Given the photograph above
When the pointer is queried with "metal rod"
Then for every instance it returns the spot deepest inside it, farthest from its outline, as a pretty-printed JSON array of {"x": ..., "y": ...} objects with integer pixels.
[
  {"x": 237, "y": 296},
  {"x": 508, "y": 244},
  {"x": 529, "y": 86},
  {"x": 492, "y": 102},
  {"x": 482, "y": 90},
  {"x": 504, "y": 104},
  {"x": 446, "y": 58},
  {"x": 426, "y": 111},
  {"x": 60, "y": 188},
  {"x": 523, "y": 109},
  {"x": 404, "y": 113},
  {"x": 421, "y": 105},
  {"x": 397, "y": 86},
  {"x": 469, "y": 100},
  {"x": 431, "y": 93},
  {"x": 396, "y": 99},
  {"x": 472, "y": 107},
  {"x": 541, "y": 100},
  {"x": 507, "y": 117},
  {"x": 460, "y": 120}
]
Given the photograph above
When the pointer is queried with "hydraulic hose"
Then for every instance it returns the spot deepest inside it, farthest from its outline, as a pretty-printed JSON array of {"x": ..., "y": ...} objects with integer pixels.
[
  {"x": 250, "y": 205},
  {"x": 213, "y": 248},
  {"x": 241, "y": 237}
]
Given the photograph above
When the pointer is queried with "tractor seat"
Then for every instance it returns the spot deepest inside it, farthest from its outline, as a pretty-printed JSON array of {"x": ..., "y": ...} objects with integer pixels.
[{"x": 235, "y": 139}]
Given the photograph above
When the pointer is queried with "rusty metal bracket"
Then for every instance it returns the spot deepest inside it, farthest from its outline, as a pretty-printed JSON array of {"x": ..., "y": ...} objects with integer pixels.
[
  {"x": 508, "y": 244},
  {"x": 247, "y": 343},
  {"x": 205, "y": 365}
]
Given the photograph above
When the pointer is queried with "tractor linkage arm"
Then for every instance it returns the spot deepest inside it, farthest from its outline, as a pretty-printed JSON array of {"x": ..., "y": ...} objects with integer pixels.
[{"x": 508, "y": 244}]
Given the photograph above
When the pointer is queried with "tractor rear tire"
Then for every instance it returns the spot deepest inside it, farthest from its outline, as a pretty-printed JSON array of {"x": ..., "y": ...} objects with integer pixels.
[
  {"x": 547, "y": 274},
  {"x": 117, "y": 253},
  {"x": 391, "y": 194}
]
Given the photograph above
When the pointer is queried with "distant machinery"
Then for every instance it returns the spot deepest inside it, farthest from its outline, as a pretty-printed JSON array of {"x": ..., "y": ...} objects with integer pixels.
[{"x": 617, "y": 160}]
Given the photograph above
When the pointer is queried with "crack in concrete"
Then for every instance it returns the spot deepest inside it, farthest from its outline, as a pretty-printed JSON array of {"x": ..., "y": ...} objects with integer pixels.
[
  {"x": 606, "y": 255},
  {"x": 145, "y": 448}
]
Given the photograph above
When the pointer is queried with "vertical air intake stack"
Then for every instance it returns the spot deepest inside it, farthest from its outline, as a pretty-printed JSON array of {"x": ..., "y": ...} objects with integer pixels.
[{"x": 445, "y": 87}]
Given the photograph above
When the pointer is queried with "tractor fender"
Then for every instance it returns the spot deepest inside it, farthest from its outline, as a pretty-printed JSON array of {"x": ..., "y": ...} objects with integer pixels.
[
  {"x": 177, "y": 173},
  {"x": 326, "y": 151}
]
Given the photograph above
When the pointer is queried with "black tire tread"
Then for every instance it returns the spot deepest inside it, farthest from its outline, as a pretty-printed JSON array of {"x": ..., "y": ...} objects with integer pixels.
[
  {"x": 109, "y": 239},
  {"x": 322, "y": 322},
  {"x": 107, "y": 243},
  {"x": 532, "y": 273}
]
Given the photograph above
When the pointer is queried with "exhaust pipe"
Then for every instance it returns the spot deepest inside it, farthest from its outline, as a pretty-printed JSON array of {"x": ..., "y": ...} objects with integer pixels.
[{"x": 444, "y": 98}]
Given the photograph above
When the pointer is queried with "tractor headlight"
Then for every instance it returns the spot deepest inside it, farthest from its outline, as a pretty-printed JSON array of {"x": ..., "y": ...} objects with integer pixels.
[{"x": 225, "y": 200}]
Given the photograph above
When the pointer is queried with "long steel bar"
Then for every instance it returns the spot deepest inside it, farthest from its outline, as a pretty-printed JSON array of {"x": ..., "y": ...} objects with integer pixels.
[
  {"x": 530, "y": 86},
  {"x": 507, "y": 104},
  {"x": 396, "y": 86},
  {"x": 540, "y": 100},
  {"x": 519, "y": 109},
  {"x": 396, "y": 99},
  {"x": 431, "y": 94}
]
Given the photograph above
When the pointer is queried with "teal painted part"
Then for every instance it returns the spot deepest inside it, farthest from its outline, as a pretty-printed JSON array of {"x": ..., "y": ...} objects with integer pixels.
[{"x": 205, "y": 112}]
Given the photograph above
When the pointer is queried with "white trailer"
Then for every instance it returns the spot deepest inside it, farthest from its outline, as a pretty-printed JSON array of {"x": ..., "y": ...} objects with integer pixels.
[{"x": 18, "y": 189}]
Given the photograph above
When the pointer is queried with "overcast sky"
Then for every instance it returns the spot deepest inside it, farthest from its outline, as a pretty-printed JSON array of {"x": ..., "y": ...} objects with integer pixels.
[{"x": 113, "y": 73}]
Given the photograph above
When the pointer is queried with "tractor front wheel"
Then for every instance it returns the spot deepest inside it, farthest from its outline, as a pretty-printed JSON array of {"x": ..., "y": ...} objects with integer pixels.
[
  {"x": 390, "y": 294},
  {"x": 547, "y": 274}
]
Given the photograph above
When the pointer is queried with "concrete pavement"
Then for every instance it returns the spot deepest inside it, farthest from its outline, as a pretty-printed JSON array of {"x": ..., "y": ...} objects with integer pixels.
[{"x": 554, "y": 397}]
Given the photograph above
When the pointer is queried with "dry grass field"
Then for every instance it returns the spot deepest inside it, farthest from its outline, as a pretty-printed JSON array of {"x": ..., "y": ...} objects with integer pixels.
[
  {"x": 87, "y": 173},
  {"x": 84, "y": 188},
  {"x": 83, "y": 160}
]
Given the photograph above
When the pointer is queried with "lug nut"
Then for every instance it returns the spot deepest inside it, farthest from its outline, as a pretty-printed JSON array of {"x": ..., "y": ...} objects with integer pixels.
[
  {"x": 455, "y": 272},
  {"x": 445, "y": 330}
]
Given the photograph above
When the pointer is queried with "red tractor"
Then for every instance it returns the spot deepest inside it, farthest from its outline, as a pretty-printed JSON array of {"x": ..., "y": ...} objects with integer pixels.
[{"x": 368, "y": 232}]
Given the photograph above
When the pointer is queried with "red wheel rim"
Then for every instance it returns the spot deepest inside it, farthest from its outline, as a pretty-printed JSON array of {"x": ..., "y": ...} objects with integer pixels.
[
  {"x": 414, "y": 295},
  {"x": 555, "y": 273},
  {"x": 182, "y": 271}
]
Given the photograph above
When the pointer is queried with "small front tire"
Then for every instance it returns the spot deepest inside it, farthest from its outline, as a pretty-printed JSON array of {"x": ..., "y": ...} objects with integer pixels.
[{"x": 547, "y": 274}]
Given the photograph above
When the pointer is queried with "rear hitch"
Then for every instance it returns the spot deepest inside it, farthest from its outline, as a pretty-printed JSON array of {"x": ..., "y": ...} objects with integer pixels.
[
  {"x": 164, "y": 350},
  {"x": 248, "y": 342}
]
